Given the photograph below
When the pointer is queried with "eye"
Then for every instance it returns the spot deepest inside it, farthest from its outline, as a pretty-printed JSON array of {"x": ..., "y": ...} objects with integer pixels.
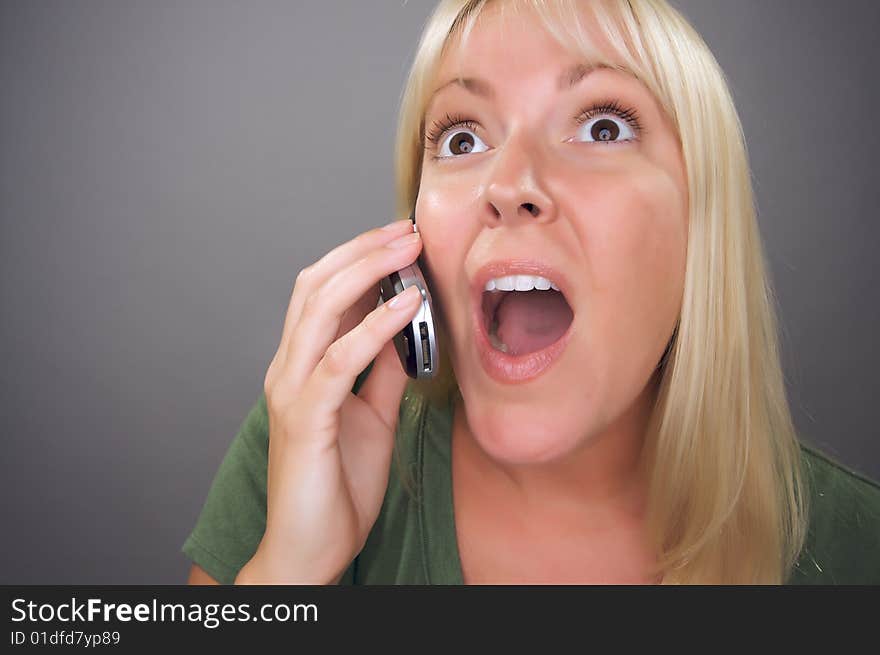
[
  {"x": 608, "y": 122},
  {"x": 607, "y": 129},
  {"x": 454, "y": 136},
  {"x": 460, "y": 142}
]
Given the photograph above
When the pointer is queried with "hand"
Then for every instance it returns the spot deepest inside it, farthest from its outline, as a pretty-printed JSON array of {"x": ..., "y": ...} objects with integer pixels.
[{"x": 330, "y": 450}]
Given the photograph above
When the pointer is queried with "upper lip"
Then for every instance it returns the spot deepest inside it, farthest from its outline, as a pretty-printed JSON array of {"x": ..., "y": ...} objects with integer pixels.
[{"x": 519, "y": 266}]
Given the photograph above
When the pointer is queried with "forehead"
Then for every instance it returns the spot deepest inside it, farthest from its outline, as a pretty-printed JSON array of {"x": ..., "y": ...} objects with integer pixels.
[{"x": 515, "y": 40}]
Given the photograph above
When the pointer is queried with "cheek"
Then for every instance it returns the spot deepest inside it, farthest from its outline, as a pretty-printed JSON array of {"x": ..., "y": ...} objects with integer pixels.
[
  {"x": 635, "y": 241},
  {"x": 442, "y": 223},
  {"x": 441, "y": 216}
]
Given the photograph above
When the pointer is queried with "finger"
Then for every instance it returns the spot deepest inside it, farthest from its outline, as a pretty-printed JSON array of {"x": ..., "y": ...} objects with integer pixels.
[
  {"x": 356, "y": 313},
  {"x": 334, "y": 376},
  {"x": 322, "y": 313},
  {"x": 384, "y": 385},
  {"x": 311, "y": 277}
]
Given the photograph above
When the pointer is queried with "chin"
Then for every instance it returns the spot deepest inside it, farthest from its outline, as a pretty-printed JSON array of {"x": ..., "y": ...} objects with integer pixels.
[{"x": 524, "y": 434}]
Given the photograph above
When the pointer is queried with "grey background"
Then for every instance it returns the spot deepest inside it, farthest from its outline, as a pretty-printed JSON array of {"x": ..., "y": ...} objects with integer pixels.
[{"x": 168, "y": 167}]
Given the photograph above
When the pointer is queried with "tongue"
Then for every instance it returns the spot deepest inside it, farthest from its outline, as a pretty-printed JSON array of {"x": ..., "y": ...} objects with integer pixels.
[{"x": 531, "y": 320}]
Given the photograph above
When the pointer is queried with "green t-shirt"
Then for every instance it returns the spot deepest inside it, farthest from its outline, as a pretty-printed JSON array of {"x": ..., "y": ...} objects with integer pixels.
[{"x": 413, "y": 540}]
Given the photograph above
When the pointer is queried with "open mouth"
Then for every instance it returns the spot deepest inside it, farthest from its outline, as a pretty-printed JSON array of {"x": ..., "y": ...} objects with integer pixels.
[{"x": 521, "y": 320}]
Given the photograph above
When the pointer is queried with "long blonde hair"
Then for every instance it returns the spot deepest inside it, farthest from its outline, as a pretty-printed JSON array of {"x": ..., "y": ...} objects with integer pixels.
[{"x": 727, "y": 502}]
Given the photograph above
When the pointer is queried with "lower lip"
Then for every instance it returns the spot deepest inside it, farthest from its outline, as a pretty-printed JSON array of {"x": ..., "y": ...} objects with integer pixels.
[{"x": 512, "y": 369}]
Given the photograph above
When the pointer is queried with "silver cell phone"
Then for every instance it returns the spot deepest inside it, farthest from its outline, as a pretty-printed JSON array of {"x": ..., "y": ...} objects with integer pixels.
[{"x": 416, "y": 344}]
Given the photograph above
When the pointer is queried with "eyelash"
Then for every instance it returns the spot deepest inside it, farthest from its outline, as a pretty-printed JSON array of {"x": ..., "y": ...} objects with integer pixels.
[{"x": 631, "y": 116}]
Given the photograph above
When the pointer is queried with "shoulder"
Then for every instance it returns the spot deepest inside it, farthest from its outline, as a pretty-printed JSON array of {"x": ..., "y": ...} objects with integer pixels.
[
  {"x": 838, "y": 491},
  {"x": 233, "y": 518},
  {"x": 843, "y": 539}
]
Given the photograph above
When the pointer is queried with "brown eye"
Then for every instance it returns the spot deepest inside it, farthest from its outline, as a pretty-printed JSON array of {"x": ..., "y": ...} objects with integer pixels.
[
  {"x": 604, "y": 129},
  {"x": 608, "y": 123},
  {"x": 454, "y": 143},
  {"x": 461, "y": 143}
]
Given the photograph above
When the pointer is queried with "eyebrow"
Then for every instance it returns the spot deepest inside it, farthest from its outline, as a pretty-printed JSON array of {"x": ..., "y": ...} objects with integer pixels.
[{"x": 567, "y": 79}]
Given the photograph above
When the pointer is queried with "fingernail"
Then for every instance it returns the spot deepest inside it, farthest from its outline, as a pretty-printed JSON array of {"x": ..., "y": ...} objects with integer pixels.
[
  {"x": 395, "y": 225},
  {"x": 404, "y": 298},
  {"x": 404, "y": 241}
]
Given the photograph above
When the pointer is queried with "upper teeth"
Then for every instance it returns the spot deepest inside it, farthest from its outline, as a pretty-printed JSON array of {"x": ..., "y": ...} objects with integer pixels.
[{"x": 520, "y": 283}]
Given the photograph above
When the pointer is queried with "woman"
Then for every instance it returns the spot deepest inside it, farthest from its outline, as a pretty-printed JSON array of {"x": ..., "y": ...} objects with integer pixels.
[{"x": 627, "y": 425}]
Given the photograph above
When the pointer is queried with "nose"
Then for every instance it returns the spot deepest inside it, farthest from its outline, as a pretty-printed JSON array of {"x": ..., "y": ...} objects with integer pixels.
[{"x": 513, "y": 192}]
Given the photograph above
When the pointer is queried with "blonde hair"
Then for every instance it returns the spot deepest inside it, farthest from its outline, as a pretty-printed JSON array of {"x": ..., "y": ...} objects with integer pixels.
[{"x": 727, "y": 502}]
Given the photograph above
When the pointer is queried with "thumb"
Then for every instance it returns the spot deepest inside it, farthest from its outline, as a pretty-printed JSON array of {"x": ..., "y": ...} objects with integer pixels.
[{"x": 385, "y": 384}]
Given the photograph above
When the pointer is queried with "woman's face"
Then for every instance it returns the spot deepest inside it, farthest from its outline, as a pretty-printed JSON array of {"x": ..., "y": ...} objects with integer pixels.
[{"x": 598, "y": 207}]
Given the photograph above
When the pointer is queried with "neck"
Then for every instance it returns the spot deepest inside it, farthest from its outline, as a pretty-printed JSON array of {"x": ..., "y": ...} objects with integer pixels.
[{"x": 603, "y": 476}]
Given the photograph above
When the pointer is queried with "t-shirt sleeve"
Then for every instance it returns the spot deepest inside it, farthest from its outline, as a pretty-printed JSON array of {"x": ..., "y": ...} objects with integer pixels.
[{"x": 233, "y": 518}]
